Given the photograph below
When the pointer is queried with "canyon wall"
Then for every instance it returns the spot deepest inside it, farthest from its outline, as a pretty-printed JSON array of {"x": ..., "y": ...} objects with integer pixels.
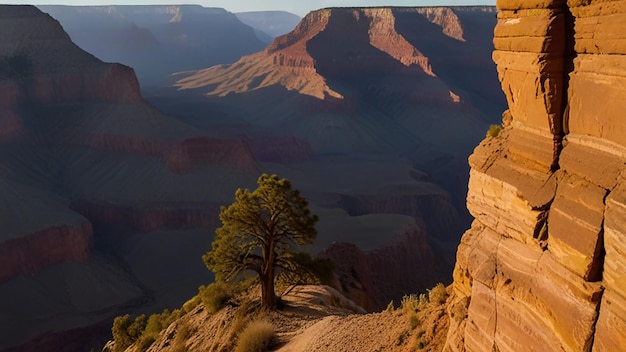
[{"x": 543, "y": 266}]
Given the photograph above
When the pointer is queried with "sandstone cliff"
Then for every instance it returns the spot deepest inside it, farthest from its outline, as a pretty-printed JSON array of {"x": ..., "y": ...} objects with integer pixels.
[{"x": 542, "y": 268}]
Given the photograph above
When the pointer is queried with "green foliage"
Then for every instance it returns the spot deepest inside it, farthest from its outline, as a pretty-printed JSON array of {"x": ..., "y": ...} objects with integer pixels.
[
  {"x": 256, "y": 337},
  {"x": 260, "y": 232},
  {"x": 410, "y": 303},
  {"x": 191, "y": 303},
  {"x": 214, "y": 296},
  {"x": 141, "y": 331},
  {"x": 494, "y": 131},
  {"x": 120, "y": 332},
  {"x": 182, "y": 334},
  {"x": 126, "y": 330},
  {"x": 438, "y": 294},
  {"x": 307, "y": 270}
]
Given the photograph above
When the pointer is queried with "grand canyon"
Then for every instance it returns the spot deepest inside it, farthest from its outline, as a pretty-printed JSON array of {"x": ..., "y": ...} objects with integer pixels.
[{"x": 113, "y": 173}]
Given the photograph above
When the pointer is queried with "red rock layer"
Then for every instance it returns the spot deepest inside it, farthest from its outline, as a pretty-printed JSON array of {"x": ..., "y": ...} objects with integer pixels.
[
  {"x": 183, "y": 157},
  {"x": 149, "y": 217},
  {"x": 383, "y": 36},
  {"x": 194, "y": 152},
  {"x": 292, "y": 46},
  {"x": 116, "y": 83},
  {"x": 28, "y": 255},
  {"x": 279, "y": 149}
]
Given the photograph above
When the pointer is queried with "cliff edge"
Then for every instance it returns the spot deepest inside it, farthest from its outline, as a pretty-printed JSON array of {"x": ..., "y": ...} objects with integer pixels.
[{"x": 543, "y": 266}]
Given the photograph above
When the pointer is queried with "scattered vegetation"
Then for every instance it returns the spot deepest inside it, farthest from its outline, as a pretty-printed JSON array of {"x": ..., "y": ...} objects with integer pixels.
[
  {"x": 413, "y": 303},
  {"x": 494, "y": 131},
  {"x": 435, "y": 296},
  {"x": 214, "y": 296},
  {"x": 256, "y": 337},
  {"x": 438, "y": 294},
  {"x": 192, "y": 303},
  {"x": 182, "y": 334},
  {"x": 126, "y": 331},
  {"x": 142, "y": 330}
]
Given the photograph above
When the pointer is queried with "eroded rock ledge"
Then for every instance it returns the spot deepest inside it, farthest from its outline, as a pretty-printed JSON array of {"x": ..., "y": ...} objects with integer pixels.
[{"x": 543, "y": 267}]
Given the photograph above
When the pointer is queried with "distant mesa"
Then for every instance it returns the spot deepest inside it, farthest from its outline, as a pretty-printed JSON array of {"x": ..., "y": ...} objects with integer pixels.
[{"x": 331, "y": 42}]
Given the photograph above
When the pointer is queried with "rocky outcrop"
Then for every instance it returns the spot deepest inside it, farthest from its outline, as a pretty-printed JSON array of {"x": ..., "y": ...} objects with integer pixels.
[
  {"x": 285, "y": 62},
  {"x": 542, "y": 268},
  {"x": 40, "y": 63},
  {"x": 372, "y": 278}
]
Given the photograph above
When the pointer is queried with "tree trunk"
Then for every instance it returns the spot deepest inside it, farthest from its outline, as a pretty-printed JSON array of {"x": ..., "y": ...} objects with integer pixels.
[{"x": 268, "y": 296}]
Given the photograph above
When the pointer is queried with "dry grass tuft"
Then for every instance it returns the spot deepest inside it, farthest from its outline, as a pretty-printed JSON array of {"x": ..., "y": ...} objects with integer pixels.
[{"x": 256, "y": 337}]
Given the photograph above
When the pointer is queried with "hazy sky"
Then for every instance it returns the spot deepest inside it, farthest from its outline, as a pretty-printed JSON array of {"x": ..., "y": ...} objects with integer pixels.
[{"x": 299, "y": 7}]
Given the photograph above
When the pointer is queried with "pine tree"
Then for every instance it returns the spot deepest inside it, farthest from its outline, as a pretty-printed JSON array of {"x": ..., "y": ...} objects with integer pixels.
[{"x": 261, "y": 231}]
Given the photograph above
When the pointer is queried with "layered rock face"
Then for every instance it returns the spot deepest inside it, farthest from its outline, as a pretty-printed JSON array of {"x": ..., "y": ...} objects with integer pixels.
[
  {"x": 336, "y": 42},
  {"x": 542, "y": 268},
  {"x": 90, "y": 175}
]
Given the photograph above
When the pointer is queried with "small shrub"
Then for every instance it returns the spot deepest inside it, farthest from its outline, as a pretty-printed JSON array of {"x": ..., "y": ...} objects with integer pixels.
[
  {"x": 410, "y": 303},
  {"x": 256, "y": 337},
  {"x": 214, "y": 296},
  {"x": 145, "y": 341},
  {"x": 414, "y": 321},
  {"x": 494, "y": 131},
  {"x": 420, "y": 345},
  {"x": 423, "y": 301},
  {"x": 438, "y": 294},
  {"x": 127, "y": 331},
  {"x": 182, "y": 334},
  {"x": 191, "y": 304},
  {"x": 120, "y": 332}
]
